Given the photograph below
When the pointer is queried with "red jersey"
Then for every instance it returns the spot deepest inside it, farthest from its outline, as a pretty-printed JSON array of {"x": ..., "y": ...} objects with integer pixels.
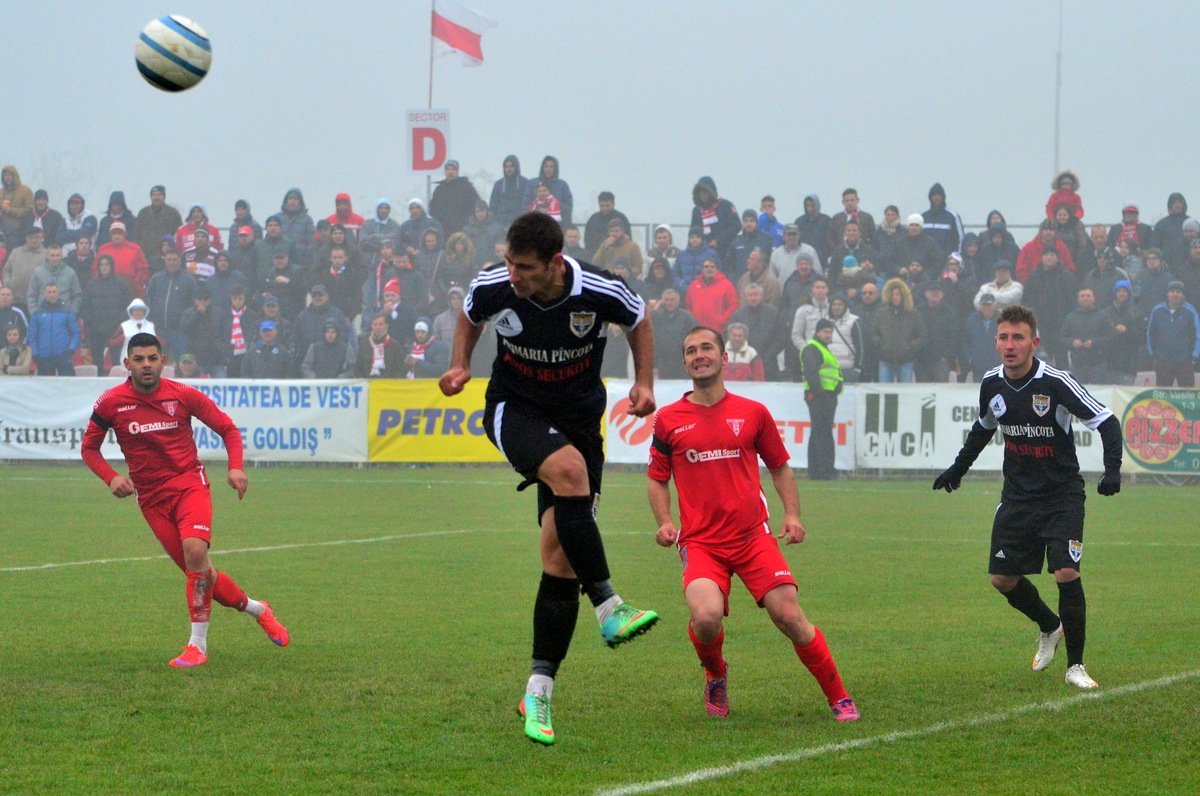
[
  {"x": 154, "y": 431},
  {"x": 713, "y": 452}
]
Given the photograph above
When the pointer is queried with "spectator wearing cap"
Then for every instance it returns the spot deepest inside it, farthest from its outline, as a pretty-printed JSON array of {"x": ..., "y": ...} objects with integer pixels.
[
  {"x": 747, "y": 240},
  {"x": 822, "y": 386},
  {"x": 944, "y": 327},
  {"x": 1131, "y": 226},
  {"x": 960, "y": 287},
  {"x": 242, "y": 217},
  {"x": 330, "y": 357},
  {"x": 343, "y": 213},
  {"x": 44, "y": 216},
  {"x": 268, "y": 358},
  {"x": 237, "y": 327},
  {"x": 1129, "y": 335},
  {"x": 154, "y": 221},
  {"x": 941, "y": 224},
  {"x": 916, "y": 245},
  {"x": 688, "y": 263},
  {"x": 380, "y": 356},
  {"x": 427, "y": 357},
  {"x": 272, "y": 310},
  {"x": 1173, "y": 339},
  {"x": 15, "y": 200},
  {"x": 1050, "y": 291},
  {"x": 485, "y": 231},
  {"x": 128, "y": 258},
  {"x": 400, "y": 317},
  {"x": 783, "y": 258},
  {"x": 188, "y": 367},
  {"x": 20, "y": 266},
  {"x": 168, "y": 295},
  {"x": 285, "y": 283},
  {"x": 453, "y": 200},
  {"x": 242, "y": 256},
  {"x": 117, "y": 211},
  {"x": 1002, "y": 287},
  {"x": 618, "y": 245},
  {"x": 596, "y": 231},
  {"x": 197, "y": 219},
  {"x": 979, "y": 344},
  {"x": 310, "y": 323},
  {"x": 199, "y": 324},
  {"x": 412, "y": 231},
  {"x": 383, "y": 269},
  {"x": 379, "y": 228}
]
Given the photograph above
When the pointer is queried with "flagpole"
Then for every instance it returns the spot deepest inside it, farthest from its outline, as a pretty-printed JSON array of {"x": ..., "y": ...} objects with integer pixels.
[{"x": 432, "y": 11}]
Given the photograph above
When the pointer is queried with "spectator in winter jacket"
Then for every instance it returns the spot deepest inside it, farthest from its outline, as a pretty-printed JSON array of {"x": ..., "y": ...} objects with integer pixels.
[
  {"x": 284, "y": 283},
  {"x": 11, "y": 315},
  {"x": 56, "y": 271},
  {"x": 944, "y": 327},
  {"x": 15, "y": 200},
  {"x": 664, "y": 245},
  {"x": 1086, "y": 333},
  {"x": 53, "y": 335},
  {"x": 156, "y": 220},
  {"x": 427, "y": 357},
  {"x": 747, "y": 240},
  {"x": 20, "y": 266},
  {"x": 897, "y": 333},
  {"x": 757, "y": 273},
  {"x": 595, "y": 232},
  {"x": 764, "y": 329},
  {"x": 671, "y": 325},
  {"x": 242, "y": 217},
  {"x": 1131, "y": 227},
  {"x": 105, "y": 300},
  {"x": 1168, "y": 232},
  {"x": 330, "y": 357},
  {"x": 687, "y": 264},
  {"x": 1003, "y": 288},
  {"x": 783, "y": 259},
  {"x": 128, "y": 259},
  {"x": 268, "y": 358},
  {"x": 1150, "y": 286},
  {"x": 168, "y": 295},
  {"x": 1106, "y": 274},
  {"x": 996, "y": 244},
  {"x": 199, "y": 325},
  {"x": 850, "y": 213},
  {"x": 343, "y": 213},
  {"x": 484, "y": 231},
  {"x": 712, "y": 298},
  {"x": 743, "y": 362},
  {"x": 117, "y": 211},
  {"x": 381, "y": 227},
  {"x": 77, "y": 223},
  {"x": 1065, "y": 187},
  {"x": 944, "y": 226},
  {"x": 979, "y": 347},
  {"x": 379, "y": 356},
  {"x": 453, "y": 201},
  {"x": 717, "y": 217},
  {"x": 618, "y": 245},
  {"x": 1173, "y": 339},
  {"x": 549, "y": 176},
  {"x": 1031, "y": 253},
  {"x": 814, "y": 228},
  {"x": 916, "y": 245},
  {"x": 197, "y": 219},
  {"x": 297, "y": 227},
  {"x": 42, "y": 215},
  {"x": 16, "y": 357},
  {"x": 767, "y": 221},
  {"x": 804, "y": 322},
  {"x": 1127, "y": 346},
  {"x": 508, "y": 194},
  {"x": 310, "y": 323},
  {"x": 412, "y": 231}
]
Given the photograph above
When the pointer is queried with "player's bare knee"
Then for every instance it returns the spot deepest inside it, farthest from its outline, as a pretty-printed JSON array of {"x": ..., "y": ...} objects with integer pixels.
[
  {"x": 706, "y": 624},
  {"x": 195, "y": 555},
  {"x": 1065, "y": 575},
  {"x": 565, "y": 472},
  {"x": 1004, "y": 583}
]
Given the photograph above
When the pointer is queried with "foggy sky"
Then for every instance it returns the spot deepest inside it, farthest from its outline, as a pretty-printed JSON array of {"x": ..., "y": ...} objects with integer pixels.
[{"x": 637, "y": 98}]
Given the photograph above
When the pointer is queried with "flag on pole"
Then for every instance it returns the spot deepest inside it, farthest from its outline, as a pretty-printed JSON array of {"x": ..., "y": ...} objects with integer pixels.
[{"x": 459, "y": 30}]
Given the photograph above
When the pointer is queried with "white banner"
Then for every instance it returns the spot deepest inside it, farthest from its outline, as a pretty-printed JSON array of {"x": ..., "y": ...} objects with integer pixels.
[
  {"x": 45, "y": 418},
  {"x": 627, "y": 438},
  {"x": 922, "y": 427}
]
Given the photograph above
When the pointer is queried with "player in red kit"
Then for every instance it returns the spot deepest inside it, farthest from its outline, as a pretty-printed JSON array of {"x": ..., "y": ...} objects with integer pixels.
[
  {"x": 711, "y": 440},
  {"x": 152, "y": 419}
]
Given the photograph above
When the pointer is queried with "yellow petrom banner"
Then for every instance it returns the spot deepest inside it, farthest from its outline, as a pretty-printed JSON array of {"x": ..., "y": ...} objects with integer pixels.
[{"x": 411, "y": 421}]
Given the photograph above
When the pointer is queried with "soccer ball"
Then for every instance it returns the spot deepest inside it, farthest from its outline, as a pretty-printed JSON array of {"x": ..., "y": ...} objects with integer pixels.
[{"x": 173, "y": 53}]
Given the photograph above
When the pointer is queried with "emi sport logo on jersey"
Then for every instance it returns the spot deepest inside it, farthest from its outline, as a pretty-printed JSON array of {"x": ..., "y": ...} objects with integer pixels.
[{"x": 1161, "y": 429}]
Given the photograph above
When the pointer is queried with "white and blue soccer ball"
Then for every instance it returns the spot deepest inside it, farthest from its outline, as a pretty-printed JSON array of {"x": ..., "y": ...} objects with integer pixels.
[{"x": 173, "y": 53}]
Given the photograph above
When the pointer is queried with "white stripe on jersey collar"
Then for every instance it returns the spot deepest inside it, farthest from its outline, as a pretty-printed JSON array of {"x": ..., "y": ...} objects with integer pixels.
[{"x": 577, "y": 275}]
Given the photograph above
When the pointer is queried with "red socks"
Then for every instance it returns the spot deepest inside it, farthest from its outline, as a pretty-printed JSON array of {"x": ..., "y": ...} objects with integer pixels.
[
  {"x": 199, "y": 595},
  {"x": 816, "y": 657},
  {"x": 710, "y": 654},
  {"x": 227, "y": 592}
]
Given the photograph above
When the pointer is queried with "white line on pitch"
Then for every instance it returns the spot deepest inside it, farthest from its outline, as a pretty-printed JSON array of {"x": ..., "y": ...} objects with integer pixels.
[{"x": 767, "y": 761}]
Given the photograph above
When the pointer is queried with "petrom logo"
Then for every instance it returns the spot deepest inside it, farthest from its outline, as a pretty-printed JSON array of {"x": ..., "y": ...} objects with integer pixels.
[{"x": 882, "y": 433}]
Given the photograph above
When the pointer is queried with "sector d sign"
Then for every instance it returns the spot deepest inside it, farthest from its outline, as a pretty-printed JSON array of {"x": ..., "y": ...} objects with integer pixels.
[{"x": 428, "y": 139}]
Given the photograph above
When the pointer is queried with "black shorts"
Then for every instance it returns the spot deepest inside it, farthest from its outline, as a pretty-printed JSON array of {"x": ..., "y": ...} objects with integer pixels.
[
  {"x": 1026, "y": 532},
  {"x": 527, "y": 435}
]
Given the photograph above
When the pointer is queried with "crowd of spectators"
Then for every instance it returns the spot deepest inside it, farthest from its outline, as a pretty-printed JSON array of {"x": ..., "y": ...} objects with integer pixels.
[{"x": 912, "y": 297}]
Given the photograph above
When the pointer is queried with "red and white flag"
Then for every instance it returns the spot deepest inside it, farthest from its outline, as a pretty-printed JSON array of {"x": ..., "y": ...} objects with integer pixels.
[{"x": 459, "y": 30}]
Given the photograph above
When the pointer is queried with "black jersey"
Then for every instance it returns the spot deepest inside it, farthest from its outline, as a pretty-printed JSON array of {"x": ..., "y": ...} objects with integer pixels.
[
  {"x": 1034, "y": 415},
  {"x": 550, "y": 355}
]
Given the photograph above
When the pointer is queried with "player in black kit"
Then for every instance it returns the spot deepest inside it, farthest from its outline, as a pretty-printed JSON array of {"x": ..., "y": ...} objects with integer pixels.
[
  {"x": 1041, "y": 505},
  {"x": 543, "y": 408}
]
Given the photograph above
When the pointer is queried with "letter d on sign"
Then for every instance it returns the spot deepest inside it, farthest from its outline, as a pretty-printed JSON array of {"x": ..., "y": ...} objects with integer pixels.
[{"x": 428, "y": 139}]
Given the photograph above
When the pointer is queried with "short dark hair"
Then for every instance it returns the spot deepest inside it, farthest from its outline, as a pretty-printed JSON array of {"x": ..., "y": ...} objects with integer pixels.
[
  {"x": 695, "y": 329},
  {"x": 606, "y": 196},
  {"x": 537, "y": 234},
  {"x": 144, "y": 340},
  {"x": 1015, "y": 313},
  {"x": 767, "y": 198},
  {"x": 849, "y": 192}
]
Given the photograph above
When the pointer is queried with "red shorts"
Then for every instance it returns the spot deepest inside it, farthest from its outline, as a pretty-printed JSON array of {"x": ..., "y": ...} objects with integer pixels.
[
  {"x": 758, "y": 562},
  {"x": 175, "y": 515}
]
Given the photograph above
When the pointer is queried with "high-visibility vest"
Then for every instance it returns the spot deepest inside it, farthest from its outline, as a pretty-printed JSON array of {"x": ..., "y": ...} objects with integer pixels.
[{"x": 830, "y": 373}]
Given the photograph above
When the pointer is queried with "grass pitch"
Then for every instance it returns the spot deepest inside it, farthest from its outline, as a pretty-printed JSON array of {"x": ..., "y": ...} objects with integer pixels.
[{"x": 408, "y": 593}]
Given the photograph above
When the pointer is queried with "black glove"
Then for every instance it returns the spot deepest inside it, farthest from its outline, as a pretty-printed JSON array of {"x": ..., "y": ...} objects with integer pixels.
[
  {"x": 951, "y": 479},
  {"x": 1110, "y": 483}
]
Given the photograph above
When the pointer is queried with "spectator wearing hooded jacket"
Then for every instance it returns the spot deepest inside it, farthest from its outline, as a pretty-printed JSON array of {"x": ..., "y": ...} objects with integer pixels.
[
  {"x": 298, "y": 227},
  {"x": 185, "y": 234},
  {"x": 485, "y": 232},
  {"x": 897, "y": 333},
  {"x": 916, "y": 245},
  {"x": 1065, "y": 186},
  {"x": 549, "y": 176},
  {"x": 15, "y": 200},
  {"x": 508, "y": 193},
  {"x": 77, "y": 223},
  {"x": 944, "y": 226},
  {"x": 996, "y": 244},
  {"x": 330, "y": 357},
  {"x": 343, "y": 213},
  {"x": 1031, "y": 252},
  {"x": 242, "y": 217},
  {"x": 130, "y": 262},
  {"x": 1125, "y": 349},
  {"x": 712, "y": 298},
  {"x": 117, "y": 211},
  {"x": 717, "y": 217},
  {"x": 155, "y": 221},
  {"x": 688, "y": 262},
  {"x": 104, "y": 308},
  {"x": 814, "y": 228},
  {"x": 1168, "y": 232},
  {"x": 382, "y": 226},
  {"x": 412, "y": 231}
]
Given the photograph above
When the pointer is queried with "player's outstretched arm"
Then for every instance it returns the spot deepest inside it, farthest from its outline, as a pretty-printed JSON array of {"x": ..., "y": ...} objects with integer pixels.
[
  {"x": 466, "y": 335},
  {"x": 641, "y": 344},
  {"x": 785, "y": 485},
  {"x": 659, "y": 494}
]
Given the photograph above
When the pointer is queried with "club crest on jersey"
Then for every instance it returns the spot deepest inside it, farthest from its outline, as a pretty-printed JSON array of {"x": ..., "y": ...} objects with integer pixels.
[
  {"x": 170, "y": 406},
  {"x": 507, "y": 324},
  {"x": 1075, "y": 549},
  {"x": 582, "y": 323},
  {"x": 1041, "y": 405},
  {"x": 997, "y": 406},
  {"x": 735, "y": 425}
]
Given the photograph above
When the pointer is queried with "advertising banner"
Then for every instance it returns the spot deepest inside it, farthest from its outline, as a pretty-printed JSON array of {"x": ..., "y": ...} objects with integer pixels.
[
  {"x": 1161, "y": 428},
  {"x": 628, "y": 437},
  {"x": 411, "y": 421},
  {"x": 45, "y": 418}
]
